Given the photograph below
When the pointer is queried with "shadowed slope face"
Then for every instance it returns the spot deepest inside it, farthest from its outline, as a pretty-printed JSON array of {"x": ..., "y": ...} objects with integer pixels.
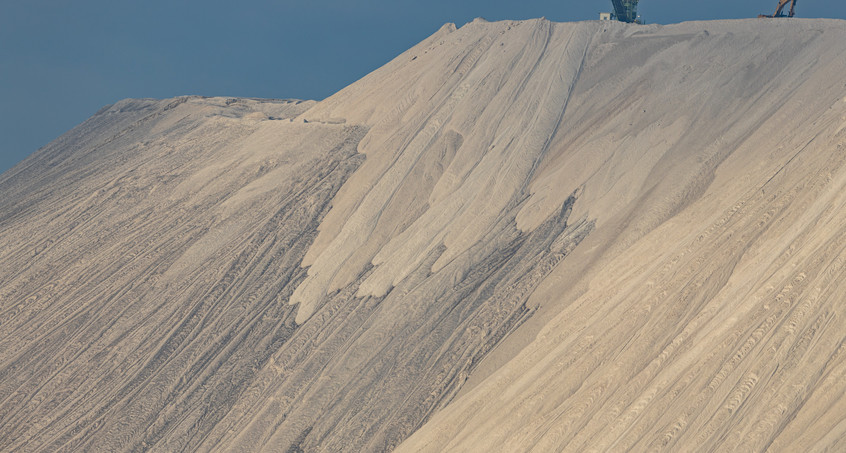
[
  {"x": 609, "y": 230},
  {"x": 147, "y": 257}
]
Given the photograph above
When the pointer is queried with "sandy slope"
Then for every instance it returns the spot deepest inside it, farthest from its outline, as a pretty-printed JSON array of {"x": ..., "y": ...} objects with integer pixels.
[
  {"x": 706, "y": 312},
  {"x": 582, "y": 236}
]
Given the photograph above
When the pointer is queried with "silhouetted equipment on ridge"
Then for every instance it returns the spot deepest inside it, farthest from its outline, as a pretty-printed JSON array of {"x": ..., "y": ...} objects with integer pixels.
[
  {"x": 625, "y": 10},
  {"x": 779, "y": 11}
]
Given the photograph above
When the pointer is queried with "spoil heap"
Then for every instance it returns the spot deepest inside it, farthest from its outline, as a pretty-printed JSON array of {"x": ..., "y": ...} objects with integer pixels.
[{"x": 516, "y": 235}]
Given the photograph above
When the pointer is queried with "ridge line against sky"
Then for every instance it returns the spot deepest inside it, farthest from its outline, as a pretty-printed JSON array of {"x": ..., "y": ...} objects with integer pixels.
[{"x": 62, "y": 61}]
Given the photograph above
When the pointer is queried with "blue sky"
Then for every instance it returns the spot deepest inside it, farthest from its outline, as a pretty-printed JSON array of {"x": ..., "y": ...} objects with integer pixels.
[{"x": 61, "y": 60}]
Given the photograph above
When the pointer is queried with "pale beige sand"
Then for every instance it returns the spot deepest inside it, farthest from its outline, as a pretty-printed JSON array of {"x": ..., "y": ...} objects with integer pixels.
[
  {"x": 580, "y": 237},
  {"x": 707, "y": 312}
]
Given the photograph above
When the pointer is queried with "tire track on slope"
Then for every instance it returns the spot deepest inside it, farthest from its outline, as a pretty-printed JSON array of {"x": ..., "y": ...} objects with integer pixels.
[
  {"x": 89, "y": 408},
  {"x": 557, "y": 125}
]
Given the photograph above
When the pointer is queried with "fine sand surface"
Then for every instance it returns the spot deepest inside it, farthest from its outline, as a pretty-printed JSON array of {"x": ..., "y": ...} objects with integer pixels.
[{"x": 516, "y": 236}]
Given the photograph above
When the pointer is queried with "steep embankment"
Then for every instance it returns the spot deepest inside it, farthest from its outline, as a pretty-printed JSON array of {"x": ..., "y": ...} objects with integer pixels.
[
  {"x": 553, "y": 236},
  {"x": 707, "y": 309}
]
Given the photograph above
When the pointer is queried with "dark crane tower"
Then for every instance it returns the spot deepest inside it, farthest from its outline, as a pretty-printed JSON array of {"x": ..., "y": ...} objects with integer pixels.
[{"x": 625, "y": 10}]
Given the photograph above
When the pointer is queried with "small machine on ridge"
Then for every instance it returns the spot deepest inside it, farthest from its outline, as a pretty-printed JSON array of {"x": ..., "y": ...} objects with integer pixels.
[{"x": 779, "y": 10}]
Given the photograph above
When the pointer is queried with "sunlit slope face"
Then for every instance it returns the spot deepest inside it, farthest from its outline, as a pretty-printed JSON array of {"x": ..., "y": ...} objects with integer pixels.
[
  {"x": 156, "y": 248},
  {"x": 706, "y": 310},
  {"x": 516, "y": 235}
]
